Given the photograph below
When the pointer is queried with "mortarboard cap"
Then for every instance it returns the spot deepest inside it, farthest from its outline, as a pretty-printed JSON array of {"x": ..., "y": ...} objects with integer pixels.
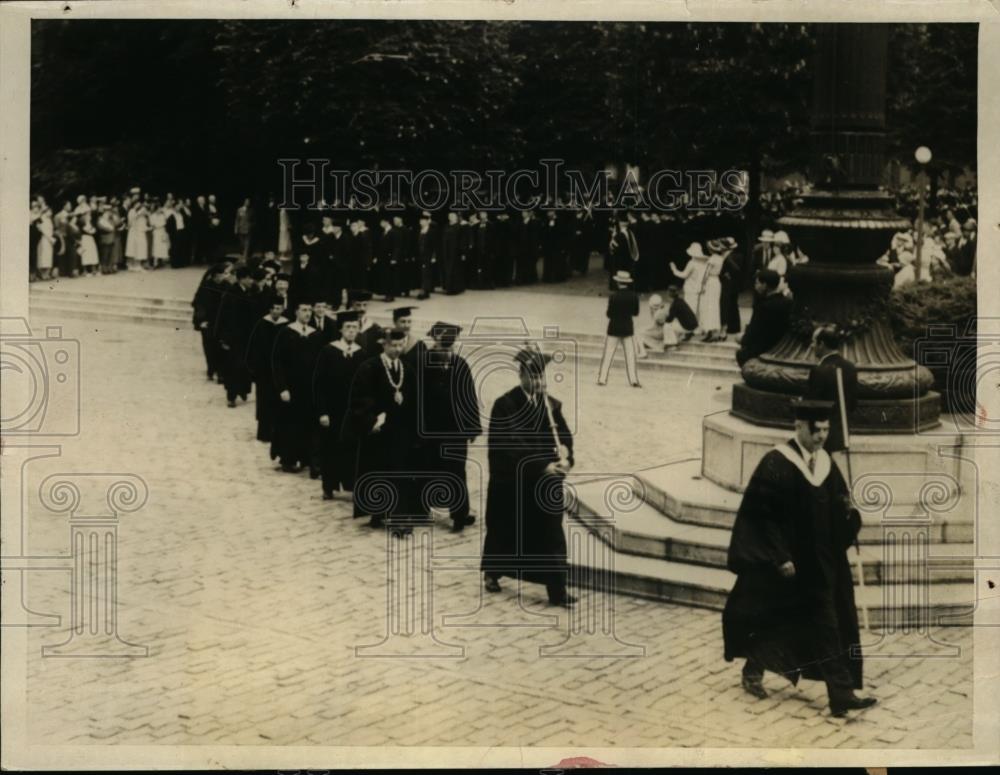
[
  {"x": 402, "y": 312},
  {"x": 444, "y": 329},
  {"x": 812, "y": 410},
  {"x": 532, "y": 359},
  {"x": 348, "y": 316}
]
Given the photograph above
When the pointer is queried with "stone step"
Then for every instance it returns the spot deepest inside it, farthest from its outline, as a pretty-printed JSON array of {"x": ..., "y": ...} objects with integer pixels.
[
  {"x": 118, "y": 307},
  {"x": 900, "y": 605},
  {"x": 57, "y": 312},
  {"x": 680, "y": 492},
  {"x": 148, "y": 301},
  {"x": 644, "y": 531},
  {"x": 54, "y": 305}
]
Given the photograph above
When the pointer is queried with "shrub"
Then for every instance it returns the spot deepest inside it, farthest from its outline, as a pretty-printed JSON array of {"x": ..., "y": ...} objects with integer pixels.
[{"x": 948, "y": 305}]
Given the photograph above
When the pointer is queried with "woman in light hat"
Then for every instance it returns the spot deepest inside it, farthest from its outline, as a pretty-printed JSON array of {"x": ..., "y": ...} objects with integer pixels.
[{"x": 693, "y": 274}]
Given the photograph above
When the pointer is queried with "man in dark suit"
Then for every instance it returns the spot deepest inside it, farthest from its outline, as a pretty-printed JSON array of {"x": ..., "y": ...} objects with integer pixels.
[
  {"x": 623, "y": 248},
  {"x": 832, "y": 368},
  {"x": 259, "y": 351},
  {"x": 623, "y": 306},
  {"x": 769, "y": 322}
]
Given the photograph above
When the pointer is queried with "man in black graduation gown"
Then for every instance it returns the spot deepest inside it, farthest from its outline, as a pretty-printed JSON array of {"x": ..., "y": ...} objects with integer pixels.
[
  {"x": 428, "y": 249},
  {"x": 792, "y": 609},
  {"x": 530, "y": 452},
  {"x": 389, "y": 263},
  {"x": 453, "y": 257},
  {"x": 448, "y": 420},
  {"x": 382, "y": 421},
  {"x": 237, "y": 318},
  {"x": 503, "y": 260},
  {"x": 324, "y": 323},
  {"x": 259, "y": 351},
  {"x": 769, "y": 321},
  {"x": 335, "y": 369},
  {"x": 823, "y": 383},
  {"x": 293, "y": 363},
  {"x": 369, "y": 332},
  {"x": 402, "y": 319},
  {"x": 360, "y": 254},
  {"x": 526, "y": 248},
  {"x": 206, "y": 303},
  {"x": 483, "y": 253},
  {"x": 335, "y": 250}
]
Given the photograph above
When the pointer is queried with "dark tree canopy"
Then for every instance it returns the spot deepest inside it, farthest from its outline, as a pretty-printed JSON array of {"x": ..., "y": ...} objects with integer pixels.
[{"x": 182, "y": 105}]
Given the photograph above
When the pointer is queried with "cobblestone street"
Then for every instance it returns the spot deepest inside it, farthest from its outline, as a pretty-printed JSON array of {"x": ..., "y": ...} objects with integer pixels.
[{"x": 252, "y": 595}]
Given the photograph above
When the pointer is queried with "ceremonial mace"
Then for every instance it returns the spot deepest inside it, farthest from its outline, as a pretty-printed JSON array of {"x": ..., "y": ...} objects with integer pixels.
[{"x": 850, "y": 491}]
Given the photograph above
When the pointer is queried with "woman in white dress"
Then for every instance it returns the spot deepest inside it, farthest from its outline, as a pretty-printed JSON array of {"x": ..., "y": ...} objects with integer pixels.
[
  {"x": 136, "y": 246},
  {"x": 709, "y": 309},
  {"x": 46, "y": 241},
  {"x": 693, "y": 276},
  {"x": 89, "y": 258},
  {"x": 161, "y": 239}
]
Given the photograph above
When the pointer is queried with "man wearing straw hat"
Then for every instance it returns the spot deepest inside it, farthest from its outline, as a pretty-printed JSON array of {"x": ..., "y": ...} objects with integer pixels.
[
  {"x": 792, "y": 610},
  {"x": 623, "y": 305}
]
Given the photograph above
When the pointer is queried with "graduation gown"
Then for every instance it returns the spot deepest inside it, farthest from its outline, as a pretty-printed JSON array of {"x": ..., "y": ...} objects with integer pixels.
[
  {"x": 336, "y": 366},
  {"x": 293, "y": 361},
  {"x": 206, "y": 303},
  {"x": 238, "y": 314},
  {"x": 259, "y": 350},
  {"x": 453, "y": 259},
  {"x": 369, "y": 337},
  {"x": 449, "y": 418},
  {"x": 807, "y": 625},
  {"x": 382, "y": 482},
  {"x": 823, "y": 387},
  {"x": 524, "y": 505}
]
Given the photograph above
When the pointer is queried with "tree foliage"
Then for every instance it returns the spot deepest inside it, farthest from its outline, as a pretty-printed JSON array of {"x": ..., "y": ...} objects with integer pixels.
[{"x": 189, "y": 104}]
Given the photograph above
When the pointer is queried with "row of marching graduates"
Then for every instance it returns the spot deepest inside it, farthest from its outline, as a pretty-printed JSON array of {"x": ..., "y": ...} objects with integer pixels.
[
  {"x": 340, "y": 396},
  {"x": 392, "y": 256}
]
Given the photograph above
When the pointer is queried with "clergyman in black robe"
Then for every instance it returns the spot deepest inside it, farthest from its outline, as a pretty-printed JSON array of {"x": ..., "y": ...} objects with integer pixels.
[
  {"x": 792, "y": 609},
  {"x": 530, "y": 450}
]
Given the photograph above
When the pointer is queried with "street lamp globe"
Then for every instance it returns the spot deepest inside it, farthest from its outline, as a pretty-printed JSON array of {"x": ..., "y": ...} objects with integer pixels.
[{"x": 923, "y": 154}]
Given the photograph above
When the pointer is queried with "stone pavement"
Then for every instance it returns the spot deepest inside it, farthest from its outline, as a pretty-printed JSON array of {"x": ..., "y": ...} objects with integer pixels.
[{"x": 253, "y": 594}]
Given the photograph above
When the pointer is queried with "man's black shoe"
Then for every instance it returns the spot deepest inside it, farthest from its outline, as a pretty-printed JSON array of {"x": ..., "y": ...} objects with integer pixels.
[
  {"x": 328, "y": 496},
  {"x": 492, "y": 584},
  {"x": 566, "y": 601},
  {"x": 290, "y": 469},
  {"x": 853, "y": 702},
  {"x": 755, "y": 687},
  {"x": 376, "y": 522},
  {"x": 422, "y": 296},
  {"x": 314, "y": 473}
]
